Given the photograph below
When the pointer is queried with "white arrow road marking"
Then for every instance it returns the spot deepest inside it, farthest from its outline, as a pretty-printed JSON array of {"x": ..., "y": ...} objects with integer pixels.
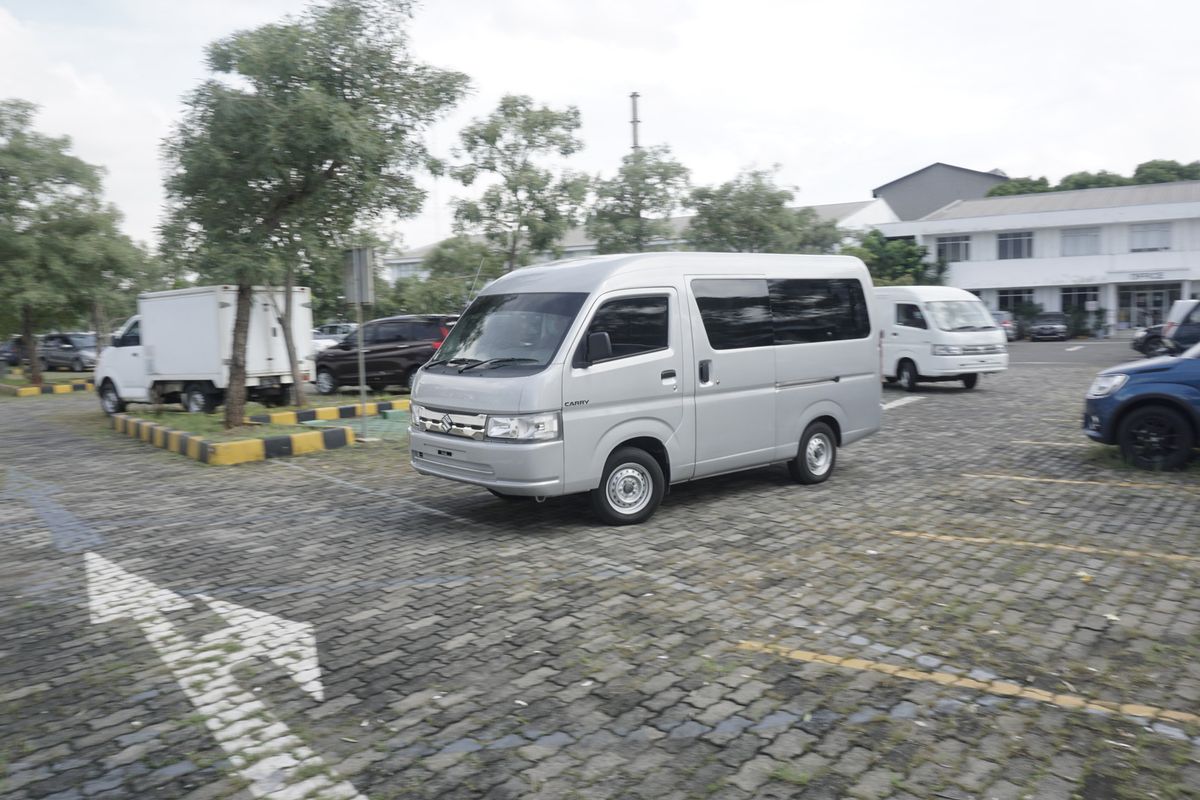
[
  {"x": 903, "y": 401},
  {"x": 260, "y": 746},
  {"x": 1076, "y": 347}
]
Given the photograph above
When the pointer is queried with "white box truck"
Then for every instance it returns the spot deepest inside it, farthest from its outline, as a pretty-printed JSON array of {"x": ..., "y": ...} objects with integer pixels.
[{"x": 179, "y": 345}]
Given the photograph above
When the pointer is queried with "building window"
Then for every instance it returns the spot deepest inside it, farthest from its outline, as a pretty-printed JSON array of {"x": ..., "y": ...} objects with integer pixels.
[
  {"x": 1015, "y": 245},
  {"x": 954, "y": 248},
  {"x": 1009, "y": 299},
  {"x": 1081, "y": 241},
  {"x": 1150, "y": 236},
  {"x": 1078, "y": 297}
]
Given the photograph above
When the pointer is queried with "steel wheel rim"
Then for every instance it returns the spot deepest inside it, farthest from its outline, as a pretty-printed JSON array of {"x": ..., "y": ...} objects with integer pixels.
[
  {"x": 818, "y": 454},
  {"x": 1155, "y": 438},
  {"x": 108, "y": 398},
  {"x": 324, "y": 382},
  {"x": 195, "y": 402},
  {"x": 629, "y": 488}
]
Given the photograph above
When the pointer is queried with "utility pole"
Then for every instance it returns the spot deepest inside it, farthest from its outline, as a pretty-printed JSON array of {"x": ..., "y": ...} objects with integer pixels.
[{"x": 634, "y": 98}]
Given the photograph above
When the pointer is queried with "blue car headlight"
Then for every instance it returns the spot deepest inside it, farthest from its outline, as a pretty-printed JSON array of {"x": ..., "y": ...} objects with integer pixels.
[{"x": 1104, "y": 385}]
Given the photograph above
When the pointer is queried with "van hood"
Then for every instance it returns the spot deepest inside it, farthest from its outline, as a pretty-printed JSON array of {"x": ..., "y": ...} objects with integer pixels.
[{"x": 488, "y": 393}]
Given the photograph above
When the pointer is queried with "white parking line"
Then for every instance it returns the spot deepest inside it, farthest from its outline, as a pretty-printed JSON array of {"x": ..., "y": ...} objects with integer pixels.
[
  {"x": 1076, "y": 347},
  {"x": 903, "y": 401}
]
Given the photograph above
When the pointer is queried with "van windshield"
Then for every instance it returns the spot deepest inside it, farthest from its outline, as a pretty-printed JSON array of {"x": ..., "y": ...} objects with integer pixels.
[
  {"x": 509, "y": 330},
  {"x": 960, "y": 315}
]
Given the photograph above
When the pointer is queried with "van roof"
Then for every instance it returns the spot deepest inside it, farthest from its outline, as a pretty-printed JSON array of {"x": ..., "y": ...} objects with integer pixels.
[
  {"x": 924, "y": 293},
  {"x": 631, "y": 270}
]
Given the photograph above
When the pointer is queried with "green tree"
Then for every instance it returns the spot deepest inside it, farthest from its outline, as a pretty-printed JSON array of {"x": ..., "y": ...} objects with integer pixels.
[
  {"x": 750, "y": 214},
  {"x": 432, "y": 295},
  {"x": 1020, "y": 186},
  {"x": 1165, "y": 171},
  {"x": 634, "y": 209},
  {"x": 897, "y": 262},
  {"x": 51, "y": 216},
  {"x": 306, "y": 128},
  {"x": 530, "y": 205},
  {"x": 1091, "y": 180}
]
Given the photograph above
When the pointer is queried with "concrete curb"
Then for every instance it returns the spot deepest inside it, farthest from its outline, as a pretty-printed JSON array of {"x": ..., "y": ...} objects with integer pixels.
[
  {"x": 240, "y": 451},
  {"x": 328, "y": 412},
  {"x": 48, "y": 388}
]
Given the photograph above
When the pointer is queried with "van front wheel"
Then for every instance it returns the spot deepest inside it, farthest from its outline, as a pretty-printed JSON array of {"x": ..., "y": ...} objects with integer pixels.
[
  {"x": 817, "y": 456},
  {"x": 970, "y": 379},
  {"x": 630, "y": 489},
  {"x": 906, "y": 374}
]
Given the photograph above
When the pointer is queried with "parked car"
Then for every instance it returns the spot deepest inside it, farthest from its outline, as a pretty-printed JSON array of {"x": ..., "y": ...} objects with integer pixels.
[
  {"x": 73, "y": 351},
  {"x": 1050, "y": 326},
  {"x": 1150, "y": 409},
  {"x": 1007, "y": 324},
  {"x": 11, "y": 352},
  {"x": 322, "y": 341},
  {"x": 394, "y": 348},
  {"x": 1149, "y": 341},
  {"x": 937, "y": 333},
  {"x": 1182, "y": 328}
]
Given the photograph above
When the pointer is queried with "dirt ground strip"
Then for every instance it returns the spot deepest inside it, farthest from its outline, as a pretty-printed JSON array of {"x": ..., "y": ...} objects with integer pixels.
[{"x": 979, "y": 604}]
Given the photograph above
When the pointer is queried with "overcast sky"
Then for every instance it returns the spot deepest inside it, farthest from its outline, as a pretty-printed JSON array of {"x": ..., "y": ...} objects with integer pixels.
[{"x": 844, "y": 95}]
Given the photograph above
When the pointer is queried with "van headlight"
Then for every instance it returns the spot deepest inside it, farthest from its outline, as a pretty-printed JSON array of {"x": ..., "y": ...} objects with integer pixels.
[
  {"x": 415, "y": 413},
  {"x": 947, "y": 350},
  {"x": 525, "y": 427},
  {"x": 1104, "y": 385}
]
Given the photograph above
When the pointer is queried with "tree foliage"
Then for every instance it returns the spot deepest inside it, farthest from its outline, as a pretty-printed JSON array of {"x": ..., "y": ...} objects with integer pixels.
[
  {"x": 633, "y": 210},
  {"x": 1156, "y": 171},
  {"x": 306, "y": 128},
  {"x": 531, "y": 203},
  {"x": 750, "y": 214},
  {"x": 896, "y": 262},
  {"x": 62, "y": 257}
]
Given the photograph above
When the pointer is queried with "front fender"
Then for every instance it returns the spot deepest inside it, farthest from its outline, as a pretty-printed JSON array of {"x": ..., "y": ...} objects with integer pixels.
[
  {"x": 1181, "y": 396},
  {"x": 622, "y": 431}
]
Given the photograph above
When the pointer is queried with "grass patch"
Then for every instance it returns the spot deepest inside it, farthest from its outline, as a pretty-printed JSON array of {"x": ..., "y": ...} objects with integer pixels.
[
  {"x": 211, "y": 426},
  {"x": 786, "y": 774}
]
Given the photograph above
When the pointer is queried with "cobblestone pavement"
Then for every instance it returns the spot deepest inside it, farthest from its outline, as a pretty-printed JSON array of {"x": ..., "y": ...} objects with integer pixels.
[{"x": 979, "y": 604}]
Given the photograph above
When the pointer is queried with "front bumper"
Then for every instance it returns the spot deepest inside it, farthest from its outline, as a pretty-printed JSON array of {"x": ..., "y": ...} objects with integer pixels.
[
  {"x": 1098, "y": 413},
  {"x": 946, "y": 366},
  {"x": 1047, "y": 333},
  {"x": 521, "y": 468}
]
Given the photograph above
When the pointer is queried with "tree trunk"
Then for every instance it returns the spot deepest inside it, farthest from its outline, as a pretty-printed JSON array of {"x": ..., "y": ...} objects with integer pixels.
[
  {"x": 30, "y": 345},
  {"x": 235, "y": 389},
  {"x": 285, "y": 321},
  {"x": 100, "y": 325}
]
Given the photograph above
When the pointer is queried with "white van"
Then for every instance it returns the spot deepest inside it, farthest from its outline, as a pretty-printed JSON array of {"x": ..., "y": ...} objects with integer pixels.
[
  {"x": 621, "y": 375},
  {"x": 937, "y": 333}
]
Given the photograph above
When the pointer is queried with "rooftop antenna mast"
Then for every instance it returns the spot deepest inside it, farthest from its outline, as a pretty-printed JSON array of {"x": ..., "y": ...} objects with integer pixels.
[{"x": 633, "y": 97}]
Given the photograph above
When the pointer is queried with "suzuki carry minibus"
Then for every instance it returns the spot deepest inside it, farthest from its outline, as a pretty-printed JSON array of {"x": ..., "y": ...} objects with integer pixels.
[{"x": 621, "y": 375}]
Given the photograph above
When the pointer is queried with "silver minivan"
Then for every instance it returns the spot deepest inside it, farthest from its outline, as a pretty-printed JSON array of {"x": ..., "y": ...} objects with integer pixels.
[{"x": 621, "y": 375}]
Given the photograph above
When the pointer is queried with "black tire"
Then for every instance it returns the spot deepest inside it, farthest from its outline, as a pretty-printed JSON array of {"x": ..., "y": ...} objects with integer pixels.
[
  {"x": 906, "y": 375},
  {"x": 377, "y": 388},
  {"x": 510, "y": 498},
  {"x": 326, "y": 383},
  {"x": 77, "y": 366},
  {"x": 110, "y": 401},
  {"x": 631, "y": 488},
  {"x": 45, "y": 364},
  {"x": 1152, "y": 346},
  {"x": 1156, "y": 437},
  {"x": 817, "y": 455},
  {"x": 969, "y": 380},
  {"x": 196, "y": 400}
]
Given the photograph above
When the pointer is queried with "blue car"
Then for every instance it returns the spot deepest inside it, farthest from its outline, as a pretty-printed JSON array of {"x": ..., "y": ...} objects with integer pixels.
[{"x": 1150, "y": 409}]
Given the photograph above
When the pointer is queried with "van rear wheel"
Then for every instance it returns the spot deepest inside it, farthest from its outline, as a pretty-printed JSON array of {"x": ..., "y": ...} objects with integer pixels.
[
  {"x": 196, "y": 400},
  {"x": 631, "y": 488},
  {"x": 817, "y": 455}
]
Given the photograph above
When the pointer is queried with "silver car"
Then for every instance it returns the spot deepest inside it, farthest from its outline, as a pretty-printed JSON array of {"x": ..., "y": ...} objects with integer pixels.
[{"x": 73, "y": 351}]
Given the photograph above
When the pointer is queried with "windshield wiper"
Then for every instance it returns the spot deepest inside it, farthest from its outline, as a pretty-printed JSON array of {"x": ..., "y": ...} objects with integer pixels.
[
  {"x": 495, "y": 362},
  {"x": 967, "y": 328},
  {"x": 454, "y": 361}
]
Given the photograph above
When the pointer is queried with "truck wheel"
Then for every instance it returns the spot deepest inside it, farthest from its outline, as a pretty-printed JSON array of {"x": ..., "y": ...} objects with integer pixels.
[
  {"x": 631, "y": 487},
  {"x": 110, "y": 401},
  {"x": 817, "y": 455},
  {"x": 326, "y": 384},
  {"x": 1155, "y": 437},
  {"x": 970, "y": 380},
  {"x": 196, "y": 400},
  {"x": 906, "y": 375}
]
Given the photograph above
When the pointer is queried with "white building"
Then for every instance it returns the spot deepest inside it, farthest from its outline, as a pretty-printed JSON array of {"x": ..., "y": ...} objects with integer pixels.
[{"x": 1134, "y": 249}]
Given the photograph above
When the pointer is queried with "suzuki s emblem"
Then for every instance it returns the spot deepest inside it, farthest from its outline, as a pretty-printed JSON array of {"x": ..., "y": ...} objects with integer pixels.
[{"x": 446, "y": 423}]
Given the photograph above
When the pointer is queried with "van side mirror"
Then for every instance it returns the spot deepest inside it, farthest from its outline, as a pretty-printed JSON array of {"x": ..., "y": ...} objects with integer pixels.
[{"x": 599, "y": 347}]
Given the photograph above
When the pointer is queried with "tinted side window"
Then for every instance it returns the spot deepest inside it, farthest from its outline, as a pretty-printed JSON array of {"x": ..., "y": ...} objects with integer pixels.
[
  {"x": 423, "y": 332},
  {"x": 633, "y": 324},
  {"x": 370, "y": 335},
  {"x": 909, "y": 315},
  {"x": 133, "y": 336},
  {"x": 818, "y": 310},
  {"x": 736, "y": 312}
]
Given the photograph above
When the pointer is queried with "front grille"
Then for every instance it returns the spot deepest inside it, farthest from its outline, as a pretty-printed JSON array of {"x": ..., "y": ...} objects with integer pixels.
[
  {"x": 468, "y": 426},
  {"x": 982, "y": 349}
]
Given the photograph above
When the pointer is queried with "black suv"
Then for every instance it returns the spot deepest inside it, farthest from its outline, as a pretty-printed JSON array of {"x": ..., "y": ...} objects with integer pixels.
[{"x": 393, "y": 349}]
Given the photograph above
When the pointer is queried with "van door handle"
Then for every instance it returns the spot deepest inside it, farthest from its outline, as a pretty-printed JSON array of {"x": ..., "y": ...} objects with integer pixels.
[
  {"x": 667, "y": 373},
  {"x": 704, "y": 370}
]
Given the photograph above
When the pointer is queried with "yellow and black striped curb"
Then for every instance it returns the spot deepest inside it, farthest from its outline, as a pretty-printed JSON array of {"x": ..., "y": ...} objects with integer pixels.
[
  {"x": 327, "y": 413},
  {"x": 239, "y": 451},
  {"x": 47, "y": 388}
]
